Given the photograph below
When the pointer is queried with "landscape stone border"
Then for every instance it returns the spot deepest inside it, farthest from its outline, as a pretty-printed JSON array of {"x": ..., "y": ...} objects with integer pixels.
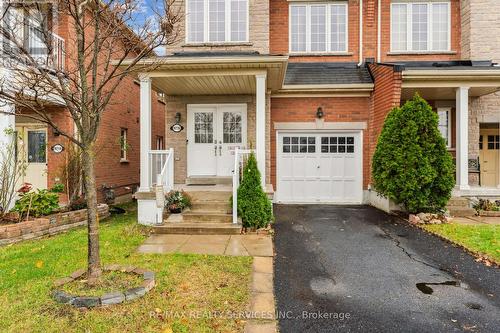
[{"x": 114, "y": 297}]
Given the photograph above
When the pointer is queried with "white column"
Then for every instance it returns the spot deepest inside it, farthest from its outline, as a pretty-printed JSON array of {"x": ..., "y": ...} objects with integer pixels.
[
  {"x": 145, "y": 128},
  {"x": 462, "y": 153},
  {"x": 260, "y": 125},
  {"x": 7, "y": 121}
]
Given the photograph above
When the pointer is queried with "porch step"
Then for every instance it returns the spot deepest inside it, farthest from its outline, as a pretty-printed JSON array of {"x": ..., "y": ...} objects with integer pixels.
[
  {"x": 461, "y": 211},
  {"x": 458, "y": 202},
  {"x": 460, "y": 207},
  {"x": 206, "y": 217},
  {"x": 221, "y": 207},
  {"x": 198, "y": 228},
  {"x": 202, "y": 180},
  {"x": 209, "y": 196}
]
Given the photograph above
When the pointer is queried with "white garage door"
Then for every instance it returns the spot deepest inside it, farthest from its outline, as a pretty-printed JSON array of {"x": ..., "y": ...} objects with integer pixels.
[{"x": 319, "y": 167}]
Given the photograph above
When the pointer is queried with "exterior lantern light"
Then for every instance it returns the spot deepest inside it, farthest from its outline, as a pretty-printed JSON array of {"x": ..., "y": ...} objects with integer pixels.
[{"x": 319, "y": 112}]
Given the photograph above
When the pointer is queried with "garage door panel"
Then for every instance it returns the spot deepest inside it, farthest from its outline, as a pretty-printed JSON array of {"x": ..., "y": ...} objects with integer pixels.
[{"x": 319, "y": 167}]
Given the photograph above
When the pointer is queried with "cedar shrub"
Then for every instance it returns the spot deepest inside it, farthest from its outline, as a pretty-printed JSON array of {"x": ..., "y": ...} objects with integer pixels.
[
  {"x": 254, "y": 208},
  {"x": 411, "y": 164}
]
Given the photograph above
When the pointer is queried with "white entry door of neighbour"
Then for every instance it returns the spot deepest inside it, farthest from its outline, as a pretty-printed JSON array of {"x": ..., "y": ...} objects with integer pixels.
[
  {"x": 32, "y": 149},
  {"x": 214, "y": 131},
  {"x": 320, "y": 167}
]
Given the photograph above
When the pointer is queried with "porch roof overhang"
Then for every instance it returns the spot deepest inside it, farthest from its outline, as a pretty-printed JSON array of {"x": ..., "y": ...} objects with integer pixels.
[
  {"x": 213, "y": 75},
  {"x": 442, "y": 83}
]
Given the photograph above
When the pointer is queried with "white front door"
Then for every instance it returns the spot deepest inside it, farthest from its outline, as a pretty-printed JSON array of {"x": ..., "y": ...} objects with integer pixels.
[
  {"x": 319, "y": 167},
  {"x": 32, "y": 149},
  {"x": 214, "y": 131}
]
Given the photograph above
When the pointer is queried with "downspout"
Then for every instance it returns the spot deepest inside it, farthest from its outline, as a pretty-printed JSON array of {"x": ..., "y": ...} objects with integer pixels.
[
  {"x": 379, "y": 24},
  {"x": 360, "y": 33}
]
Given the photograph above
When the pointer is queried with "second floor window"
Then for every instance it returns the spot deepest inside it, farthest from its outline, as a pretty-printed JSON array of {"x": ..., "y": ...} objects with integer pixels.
[
  {"x": 318, "y": 28},
  {"x": 217, "y": 21},
  {"x": 420, "y": 26}
]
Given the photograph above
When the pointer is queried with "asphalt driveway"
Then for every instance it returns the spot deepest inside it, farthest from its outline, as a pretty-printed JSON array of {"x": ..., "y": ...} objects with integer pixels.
[{"x": 357, "y": 269}]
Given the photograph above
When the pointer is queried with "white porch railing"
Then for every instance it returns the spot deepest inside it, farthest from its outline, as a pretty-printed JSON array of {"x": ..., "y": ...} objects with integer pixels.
[
  {"x": 161, "y": 168},
  {"x": 37, "y": 46},
  {"x": 238, "y": 167}
]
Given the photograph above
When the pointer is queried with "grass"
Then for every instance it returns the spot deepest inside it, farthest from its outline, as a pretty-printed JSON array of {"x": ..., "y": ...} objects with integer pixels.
[
  {"x": 109, "y": 282},
  {"x": 483, "y": 240},
  {"x": 185, "y": 284}
]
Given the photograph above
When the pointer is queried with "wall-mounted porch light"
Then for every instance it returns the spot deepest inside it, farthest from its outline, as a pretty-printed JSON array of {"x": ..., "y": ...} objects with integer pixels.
[
  {"x": 319, "y": 112},
  {"x": 178, "y": 117}
]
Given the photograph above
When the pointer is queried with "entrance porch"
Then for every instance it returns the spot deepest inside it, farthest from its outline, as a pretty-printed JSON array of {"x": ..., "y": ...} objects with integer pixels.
[
  {"x": 215, "y": 106},
  {"x": 455, "y": 93}
]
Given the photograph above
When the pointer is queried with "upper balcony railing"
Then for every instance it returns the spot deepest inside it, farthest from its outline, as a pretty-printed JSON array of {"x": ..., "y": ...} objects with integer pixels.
[
  {"x": 45, "y": 48},
  {"x": 38, "y": 46}
]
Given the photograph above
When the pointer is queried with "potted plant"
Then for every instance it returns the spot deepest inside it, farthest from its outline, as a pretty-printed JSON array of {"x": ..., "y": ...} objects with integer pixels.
[{"x": 176, "y": 201}]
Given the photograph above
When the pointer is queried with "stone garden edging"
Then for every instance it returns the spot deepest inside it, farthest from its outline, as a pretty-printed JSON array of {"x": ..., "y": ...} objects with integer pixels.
[
  {"x": 114, "y": 297},
  {"x": 47, "y": 225}
]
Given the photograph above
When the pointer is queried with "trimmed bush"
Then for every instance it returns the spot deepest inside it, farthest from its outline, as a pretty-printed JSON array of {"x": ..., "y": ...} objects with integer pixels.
[
  {"x": 411, "y": 164},
  {"x": 254, "y": 208}
]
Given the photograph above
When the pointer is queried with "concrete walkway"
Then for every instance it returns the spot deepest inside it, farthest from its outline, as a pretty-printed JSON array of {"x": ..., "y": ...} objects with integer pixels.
[
  {"x": 477, "y": 220},
  {"x": 230, "y": 245}
]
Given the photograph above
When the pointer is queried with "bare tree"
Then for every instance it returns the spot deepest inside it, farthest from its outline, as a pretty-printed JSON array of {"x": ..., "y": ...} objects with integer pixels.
[{"x": 102, "y": 34}]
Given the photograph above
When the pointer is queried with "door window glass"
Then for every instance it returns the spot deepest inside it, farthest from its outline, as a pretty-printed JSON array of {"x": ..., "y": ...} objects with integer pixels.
[
  {"x": 493, "y": 142},
  {"x": 37, "y": 145},
  {"x": 203, "y": 127},
  {"x": 232, "y": 127},
  {"x": 337, "y": 144},
  {"x": 299, "y": 144}
]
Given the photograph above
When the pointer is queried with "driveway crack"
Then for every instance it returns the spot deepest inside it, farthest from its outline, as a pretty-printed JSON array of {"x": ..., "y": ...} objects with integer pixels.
[{"x": 397, "y": 242}]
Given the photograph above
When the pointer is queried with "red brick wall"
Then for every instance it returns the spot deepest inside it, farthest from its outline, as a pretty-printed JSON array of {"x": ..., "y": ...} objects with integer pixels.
[
  {"x": 279, "y": 33},
  {"x": 386, "y": 37},
  {"x": 122, "y": 112},
  {"x": 385, "y": 96},
  {"x": 336, "y": 109}
]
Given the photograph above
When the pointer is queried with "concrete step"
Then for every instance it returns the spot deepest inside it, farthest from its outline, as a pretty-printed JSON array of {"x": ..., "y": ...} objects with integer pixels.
[
  {"x": 461, "y": 212},
  {"x": 221, "y": 207},
  {"x": 458, "y": 202},
  {"x": 204, "y": 196},
  {"x": 201, "y": 180},
  {"x": 206, "y": 217},
  {"x": 198, "y": 228}
]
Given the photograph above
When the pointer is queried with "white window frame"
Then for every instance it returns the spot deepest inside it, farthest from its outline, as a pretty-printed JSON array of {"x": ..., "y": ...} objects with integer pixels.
[
  {"x": 123, "y": 144},
  {"x": 448, "y": 112},
  {"x": 409, "y": 26},
  {"x": 206, "y": 24},
  {"x": 328, "y": 22}
]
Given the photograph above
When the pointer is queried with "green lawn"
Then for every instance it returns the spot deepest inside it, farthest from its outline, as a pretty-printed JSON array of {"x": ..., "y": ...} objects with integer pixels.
[
  {"x": 481, "y": 239},
  {"x": 185, "y": 283}
]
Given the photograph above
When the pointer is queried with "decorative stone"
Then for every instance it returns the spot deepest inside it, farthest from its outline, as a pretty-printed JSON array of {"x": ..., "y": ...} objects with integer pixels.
[
  {"x": 86, "y": 301},
  {"x": 62, "y": 297},
  {"x": 139, "y": 271},
  {"x": 148, "y": 284},
  {"x": 62, "y": 281},
  {"x": 414, "y": 219},
  {"x": 148, "y": 275},
  {"x": 112, "y": 298},
  {"x": 75, "y": 275},
  {"x": 134, "y": 293},
  {"x": 113, "y": 267}
]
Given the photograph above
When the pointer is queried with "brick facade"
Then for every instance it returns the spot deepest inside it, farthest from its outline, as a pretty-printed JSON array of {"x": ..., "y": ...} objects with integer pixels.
[
  {"x": 386, "y": 95},
  {"x": 258, "y": 39},
  {"x": 279, "y": 31},
  {"x": 123, "y": 111},
  {"x": 336, "y": 109}
]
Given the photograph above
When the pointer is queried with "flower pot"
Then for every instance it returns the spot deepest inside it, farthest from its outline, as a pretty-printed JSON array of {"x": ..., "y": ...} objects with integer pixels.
[{"x": 175, "y": 210}]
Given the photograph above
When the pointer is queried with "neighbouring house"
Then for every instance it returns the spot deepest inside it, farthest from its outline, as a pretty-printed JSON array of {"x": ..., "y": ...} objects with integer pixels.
[
  {"x": 118, "y": 154},
  {"x": 307, "y": 85}
]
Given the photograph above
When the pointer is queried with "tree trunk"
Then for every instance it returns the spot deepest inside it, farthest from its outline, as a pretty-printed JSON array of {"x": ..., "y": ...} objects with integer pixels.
[{"x": 94, "y": 261}]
